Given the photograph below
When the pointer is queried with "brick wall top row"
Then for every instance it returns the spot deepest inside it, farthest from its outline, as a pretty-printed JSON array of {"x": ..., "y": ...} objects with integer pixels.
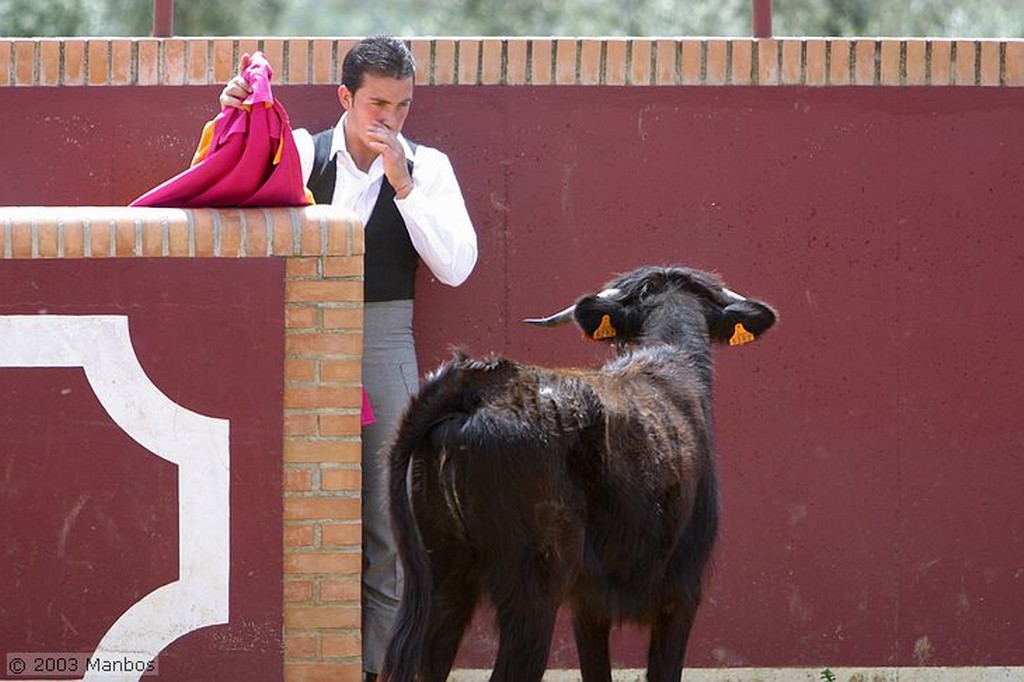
[{"x": 528, "y": 61}]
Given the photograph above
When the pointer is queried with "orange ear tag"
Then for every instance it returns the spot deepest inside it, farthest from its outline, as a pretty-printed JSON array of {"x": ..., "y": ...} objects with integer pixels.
[
  {"x": 605, "y": 330},
  {"x": 740, "y": 335}
]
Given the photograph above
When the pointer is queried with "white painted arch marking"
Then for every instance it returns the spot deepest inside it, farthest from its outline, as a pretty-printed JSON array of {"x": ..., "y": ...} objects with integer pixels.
[{"x": 197, "y": 444}]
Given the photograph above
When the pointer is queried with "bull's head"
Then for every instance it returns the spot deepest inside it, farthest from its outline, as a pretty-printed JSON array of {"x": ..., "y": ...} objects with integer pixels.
[{"x": 631, "y": 304}]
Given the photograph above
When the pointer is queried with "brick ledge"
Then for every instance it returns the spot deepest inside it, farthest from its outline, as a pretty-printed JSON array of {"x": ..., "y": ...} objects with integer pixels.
[{"x": 529, "y": 61}]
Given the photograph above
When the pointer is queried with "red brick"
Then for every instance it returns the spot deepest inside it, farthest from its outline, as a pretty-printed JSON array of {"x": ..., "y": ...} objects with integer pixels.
[
  {"x": 965, "y": 62},
  {"x": 224, "y": 65},
  {"x": 443, "y": 61},
  {"x": 301, "y": 646},
  {"x": 308, "y": 397},
  {"x": 340, "y": 424},
  {"x": 322, "y": 71},
  {"x": 590, "y": 61},
  {"x": 230, "y": 234},
  {"x": 565, "y": 61},
  {"x": 5, "y": 62},
  {"x": 298, "y": 590},
  {"x": 515, "y": 64},
  {"x": 322, "y": 672},
  {"x": 341, "y": 479},
  {"x": 916, "y": 63},
  {"x": 344, "y": 589},
  {"x": 177, "y": 239},
  {"x": 125, "y": 237},
  {"x": 310, "y": 241},
  {"x": 421, "y": 55},
  {"x": 323, "y": 562},
  {"x": 300, "y": 317},
  {"x": 717, "y": 62},
  {"x": 343, "y": 266},
  {"x": 120, "y": 61},
  {"x": 74, "y": 240},
  {"x": 615, "y": 68},
  {"x": 301, "y": 424},
  {"x": 337, "y": 371},
  {"x": 197, "y": 69},
  {"x": 298, "y": 480},
  {"x": 174, "y": 62},
  {"x": 341, "y": 646},
  {"x": 98, "y": 62},
  {"x": 339, "y": 291},
  {"x": 303, "y": 450},
  {"x": 338, "y": 233},
  {"x": 47, "y": 232},
  {"x": 322, "y": 508},
  {"x": 148, "y": 61},
  {"x": 343, "y": 318},
  {"x": 864, "y": 69},
  {"x": 74, "y": 62},
  {"x": 24, "y": 62},
  {"x": 942, "y": 62},
  {"x": 299, "y": 370},
  {"x": 152, "y": 238},
  {"x": 540, "y": 62},
  {"x": 302, "y": 268},
  {"x": 339, "y": 452},
  {"x": 256, "y": 235},
  {"x": 839, "y": 67},
  {"x": 768, "y": 61},
  {"x": 341, "y": 535},
  {"x": 49, "y": 62},
  {"x": 890, "y": 62},
  {"x": 323, "y": 345},
  {"x": 204, "y": 231},
  {"x": 283, "y": 233},
  {"x": 299, "y": 535},
  {"x": 814, "y": 67},
  {"x": 298, "y": 61}
]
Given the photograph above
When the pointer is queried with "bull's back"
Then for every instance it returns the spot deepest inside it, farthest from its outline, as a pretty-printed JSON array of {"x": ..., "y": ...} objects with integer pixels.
[{"x": 495, "y": 468}]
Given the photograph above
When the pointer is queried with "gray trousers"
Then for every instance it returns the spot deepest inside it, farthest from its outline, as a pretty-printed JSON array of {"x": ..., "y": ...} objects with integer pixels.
[{"x": 390, "y": 376}]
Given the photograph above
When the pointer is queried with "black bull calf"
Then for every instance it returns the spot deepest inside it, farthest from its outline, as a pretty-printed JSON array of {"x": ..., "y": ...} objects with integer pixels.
[{"x": 537, "y": 487}]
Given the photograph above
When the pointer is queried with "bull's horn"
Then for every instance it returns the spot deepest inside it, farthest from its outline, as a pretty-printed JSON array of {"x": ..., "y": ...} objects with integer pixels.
[
  {"x": 730, "y": 294},
  {"x": 566, "y": 315},
  {"x": 553, "y": 320}
]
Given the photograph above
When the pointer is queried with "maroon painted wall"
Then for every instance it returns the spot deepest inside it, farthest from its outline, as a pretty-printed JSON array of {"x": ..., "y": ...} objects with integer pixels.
[
  {"x": 89, "y": 518},
  {"x": 870, "y": 448}
]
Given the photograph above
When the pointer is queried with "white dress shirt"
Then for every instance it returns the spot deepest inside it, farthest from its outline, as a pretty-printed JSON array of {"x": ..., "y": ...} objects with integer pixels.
[{"x": 434, "y": 210}]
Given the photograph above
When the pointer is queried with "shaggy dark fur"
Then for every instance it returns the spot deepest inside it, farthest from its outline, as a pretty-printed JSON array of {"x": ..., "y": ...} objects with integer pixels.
[{"x": 537, "y": 487}]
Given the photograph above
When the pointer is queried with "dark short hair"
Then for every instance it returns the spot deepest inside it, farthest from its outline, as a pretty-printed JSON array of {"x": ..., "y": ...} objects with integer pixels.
[{"x": 379, "y": 55}]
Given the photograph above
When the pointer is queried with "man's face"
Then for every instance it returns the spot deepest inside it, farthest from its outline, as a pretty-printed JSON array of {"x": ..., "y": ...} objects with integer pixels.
[{"x": 381, "y": 102}]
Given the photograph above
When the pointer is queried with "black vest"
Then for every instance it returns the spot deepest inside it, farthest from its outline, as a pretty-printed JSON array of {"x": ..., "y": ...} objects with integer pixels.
[{"x": 390, "y": 261}]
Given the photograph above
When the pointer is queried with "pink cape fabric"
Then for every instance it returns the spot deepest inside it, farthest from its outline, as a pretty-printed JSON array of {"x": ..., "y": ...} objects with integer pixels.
[{"x": 248, "y": 158}]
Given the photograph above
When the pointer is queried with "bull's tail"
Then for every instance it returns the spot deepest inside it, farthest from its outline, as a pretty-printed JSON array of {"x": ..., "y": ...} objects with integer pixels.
[{"x": 439, "y": 399}]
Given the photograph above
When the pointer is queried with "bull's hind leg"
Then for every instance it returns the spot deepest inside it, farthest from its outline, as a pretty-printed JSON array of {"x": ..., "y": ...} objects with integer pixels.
[
  {"x": 456, "y": 591},
  {"x": 670, "y": 633},
  {"x": 526, "y": 597},
  {"x": 591, "y": 633},
  {"x": 450, "y": 613},
  {"x": 524, "y": 634}
]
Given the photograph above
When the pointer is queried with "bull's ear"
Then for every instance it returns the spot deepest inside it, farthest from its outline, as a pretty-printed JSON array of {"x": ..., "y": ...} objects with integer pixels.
[
  {"x": 602, "y": 319},
  {"x": 743, "y": 322}
]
